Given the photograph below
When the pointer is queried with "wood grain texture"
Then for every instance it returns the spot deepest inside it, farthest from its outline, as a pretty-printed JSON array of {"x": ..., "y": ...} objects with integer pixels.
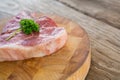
[
  {"x": 96, "y": 10},
  {"x": 105, "y": 38},
  {"x": 110, "y": 4},
  {"x": 82, "y": 70},
  {"x": 61, "y": 65}
]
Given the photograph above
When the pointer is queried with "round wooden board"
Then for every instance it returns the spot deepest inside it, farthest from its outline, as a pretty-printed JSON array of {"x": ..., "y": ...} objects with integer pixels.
[{"x": 72, "y": 62}]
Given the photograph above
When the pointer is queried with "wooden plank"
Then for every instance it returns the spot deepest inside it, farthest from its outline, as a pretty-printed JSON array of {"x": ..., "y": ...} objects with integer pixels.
[
  {"x": 3, "y": 15},
  {"x": 110, "y": 4},
  {"x": 96, "y": 10},
  {"x": 104, "y": 38}
]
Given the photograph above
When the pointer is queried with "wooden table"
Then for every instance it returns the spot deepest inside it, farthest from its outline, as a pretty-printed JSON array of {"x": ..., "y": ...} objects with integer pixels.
[{"x": 101, "y": 20}]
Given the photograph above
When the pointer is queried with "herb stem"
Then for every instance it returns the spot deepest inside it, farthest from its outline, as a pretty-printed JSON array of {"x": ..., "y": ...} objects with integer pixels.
[{"x": 13, "y": 34}]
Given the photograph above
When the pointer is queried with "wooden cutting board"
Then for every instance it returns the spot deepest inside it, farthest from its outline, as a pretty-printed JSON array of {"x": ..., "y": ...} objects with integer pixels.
[{"x": 72, "y": 62}]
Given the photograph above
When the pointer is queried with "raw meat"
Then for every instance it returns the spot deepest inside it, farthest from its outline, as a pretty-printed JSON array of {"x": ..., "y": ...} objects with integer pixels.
[{"x": 48, "y": 40}]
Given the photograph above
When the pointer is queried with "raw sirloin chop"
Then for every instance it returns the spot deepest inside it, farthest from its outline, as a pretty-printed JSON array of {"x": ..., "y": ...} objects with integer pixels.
[{"x": 49, "y": 39}]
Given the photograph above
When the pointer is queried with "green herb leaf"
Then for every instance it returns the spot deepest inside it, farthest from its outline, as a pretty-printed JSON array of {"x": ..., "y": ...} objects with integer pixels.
[{"x": 27, "y": 26}]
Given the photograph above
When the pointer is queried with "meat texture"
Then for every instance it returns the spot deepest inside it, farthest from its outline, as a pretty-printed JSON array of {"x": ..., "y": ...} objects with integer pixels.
[{"x": 48, "y": 40}]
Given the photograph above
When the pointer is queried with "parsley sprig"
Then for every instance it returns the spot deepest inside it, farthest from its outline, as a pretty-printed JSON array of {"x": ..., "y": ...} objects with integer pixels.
[{"x": 28, "y": 26}]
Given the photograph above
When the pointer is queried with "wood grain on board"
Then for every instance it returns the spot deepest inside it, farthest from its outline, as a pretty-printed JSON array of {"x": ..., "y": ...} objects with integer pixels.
[{"x": 100, "y": 21}]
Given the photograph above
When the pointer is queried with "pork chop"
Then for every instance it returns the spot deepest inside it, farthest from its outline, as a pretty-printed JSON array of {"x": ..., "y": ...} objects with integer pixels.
[{"x": 48, "y": 40}]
